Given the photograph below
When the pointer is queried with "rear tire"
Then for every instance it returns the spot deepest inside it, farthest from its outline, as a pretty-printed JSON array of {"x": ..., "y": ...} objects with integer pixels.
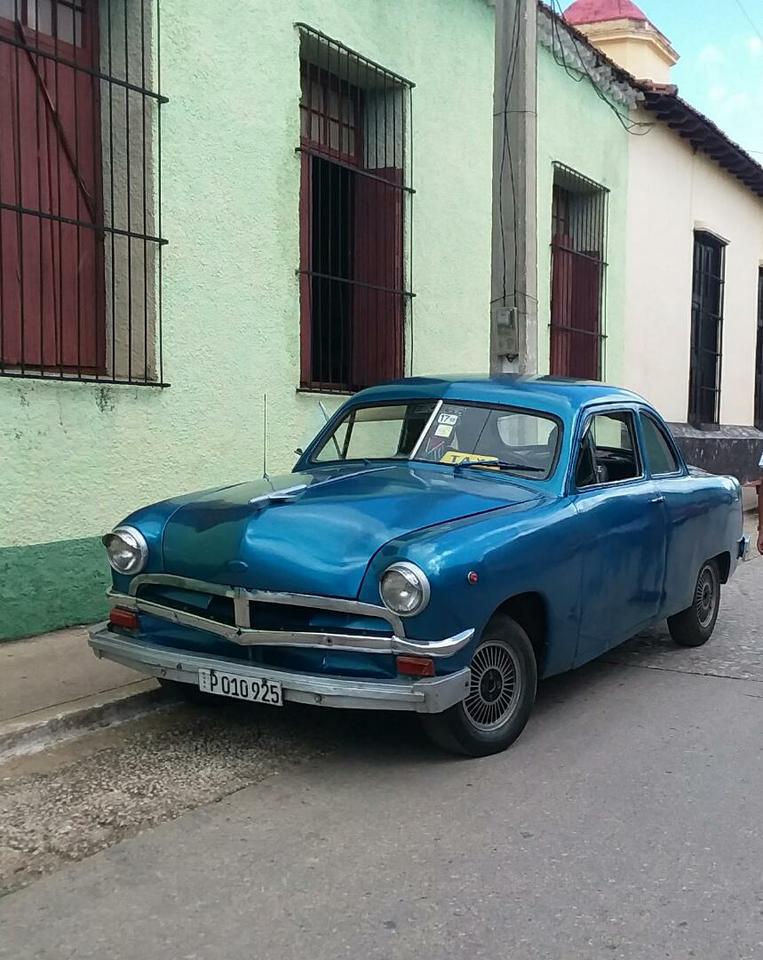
[
  {"x": 694, "y": 626},
  {"x": 500, "y": 698}
]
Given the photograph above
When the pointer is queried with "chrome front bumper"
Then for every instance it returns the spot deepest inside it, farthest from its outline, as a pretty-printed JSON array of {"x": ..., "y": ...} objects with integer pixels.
[{"x": 426, "y": 695}]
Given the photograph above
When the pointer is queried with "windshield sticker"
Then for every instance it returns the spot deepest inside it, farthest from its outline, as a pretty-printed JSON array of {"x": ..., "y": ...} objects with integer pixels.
[
  {"x": 443, "y": 430},
  {"x": 455, "y": 456},
  {"x": 434, "y": 448},
  {"x": 451, "y": 419}
]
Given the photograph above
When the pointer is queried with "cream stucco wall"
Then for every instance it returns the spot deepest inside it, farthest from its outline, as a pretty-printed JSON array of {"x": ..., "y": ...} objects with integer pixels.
[
  {"x": 638, "y": 56},
  {"x": 673, "y": 191}
]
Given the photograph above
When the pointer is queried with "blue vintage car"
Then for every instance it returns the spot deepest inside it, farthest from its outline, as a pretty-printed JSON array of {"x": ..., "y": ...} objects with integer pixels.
[{"x": 439, "y": 546}]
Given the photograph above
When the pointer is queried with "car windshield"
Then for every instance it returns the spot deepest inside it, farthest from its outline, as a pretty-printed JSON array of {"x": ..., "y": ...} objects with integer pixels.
[{"x": 472, "y": 436}]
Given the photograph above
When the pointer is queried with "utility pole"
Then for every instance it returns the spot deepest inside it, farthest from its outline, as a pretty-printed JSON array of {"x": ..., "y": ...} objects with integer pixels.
[{"x": 514, "y": 281}]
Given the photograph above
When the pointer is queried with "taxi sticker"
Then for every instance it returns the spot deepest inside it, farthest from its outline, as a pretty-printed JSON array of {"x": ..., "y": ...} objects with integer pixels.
[
  {"x": 443, "y": 430},
  {"x": 451, "y": 419},
  {"x": 455, "y": 456}
]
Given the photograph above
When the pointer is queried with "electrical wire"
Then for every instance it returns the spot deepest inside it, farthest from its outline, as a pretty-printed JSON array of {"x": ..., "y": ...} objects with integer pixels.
[
  {"x": 637, "y": 128},
  {"x": 575, "y": 73},
  {"x": 749, "y": 19}
]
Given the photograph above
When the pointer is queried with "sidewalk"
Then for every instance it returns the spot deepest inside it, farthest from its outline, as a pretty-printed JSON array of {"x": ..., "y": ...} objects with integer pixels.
[{"x": 52, "y": 685}]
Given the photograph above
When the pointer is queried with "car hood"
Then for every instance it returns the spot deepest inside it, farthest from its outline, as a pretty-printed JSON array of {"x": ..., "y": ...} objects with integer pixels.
[{"x": 315, "y": 532}]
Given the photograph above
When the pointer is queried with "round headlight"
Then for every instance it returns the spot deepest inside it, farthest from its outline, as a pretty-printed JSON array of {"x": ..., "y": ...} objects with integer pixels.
[
  {"x": 404, "y": 588},
  {"x": 127, "y": 550}
]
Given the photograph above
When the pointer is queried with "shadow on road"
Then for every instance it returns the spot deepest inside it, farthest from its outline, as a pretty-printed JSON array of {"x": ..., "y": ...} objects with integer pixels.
[{"x": 389, "y": 737}]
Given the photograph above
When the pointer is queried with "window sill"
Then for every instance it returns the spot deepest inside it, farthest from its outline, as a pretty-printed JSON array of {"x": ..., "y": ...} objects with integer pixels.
[
  {"x": 54, "y": 376},
  {"x": 706, "y": 427},
  {"x": 319, "y": 392}
]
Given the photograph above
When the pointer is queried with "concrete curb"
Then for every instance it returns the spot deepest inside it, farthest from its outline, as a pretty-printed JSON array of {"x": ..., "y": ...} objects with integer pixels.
[{"x": 44, "y": 728}]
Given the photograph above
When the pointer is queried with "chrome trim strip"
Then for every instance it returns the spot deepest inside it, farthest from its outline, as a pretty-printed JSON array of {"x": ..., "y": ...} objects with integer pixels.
[
  {"x": 430, "y": 421},
  {"x": 426, "y": 695},
  {"x": 266, "y": 596},
  {"x": 241, "y": 613},
  {"x": 284, "y": 495},
  {"x": 169, "y": 580},
  {"x": 248, "y": 637},
  {"x": 744, "y": 553}
]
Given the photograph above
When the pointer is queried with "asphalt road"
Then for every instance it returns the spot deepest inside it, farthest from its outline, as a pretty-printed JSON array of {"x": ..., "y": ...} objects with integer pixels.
[{"x": 625, "y": 823}]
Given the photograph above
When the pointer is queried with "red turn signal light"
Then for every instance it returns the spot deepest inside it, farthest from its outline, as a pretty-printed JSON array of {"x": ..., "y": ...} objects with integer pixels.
[
  {"x": 415, "y": 666},
  {"x": 126, "y": 619}
]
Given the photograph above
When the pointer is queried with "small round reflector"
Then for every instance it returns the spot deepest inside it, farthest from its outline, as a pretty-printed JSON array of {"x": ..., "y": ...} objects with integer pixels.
[{"x": 472, "y": 576}]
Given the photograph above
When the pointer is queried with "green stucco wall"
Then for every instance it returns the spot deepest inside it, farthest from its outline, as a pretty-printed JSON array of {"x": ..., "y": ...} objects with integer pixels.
[
  {"x": 48, "y": 585},
  {"x": 75, "y": 458},
  {"x": 577, "y": 128}
]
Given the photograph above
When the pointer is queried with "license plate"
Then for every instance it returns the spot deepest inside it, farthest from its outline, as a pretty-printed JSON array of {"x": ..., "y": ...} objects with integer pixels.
[{"x": 253, "y": 689}]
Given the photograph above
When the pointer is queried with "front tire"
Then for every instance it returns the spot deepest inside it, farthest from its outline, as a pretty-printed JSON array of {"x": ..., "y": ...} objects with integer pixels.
[
  {"x": 500, "y": 698},
  {"x": 694, "y": 626}
]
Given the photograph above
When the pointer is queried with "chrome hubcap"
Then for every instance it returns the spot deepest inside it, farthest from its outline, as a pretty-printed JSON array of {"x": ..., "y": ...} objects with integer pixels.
[
  {"x": 705, "y": 596},
  {"x": 495, "y": 685}
]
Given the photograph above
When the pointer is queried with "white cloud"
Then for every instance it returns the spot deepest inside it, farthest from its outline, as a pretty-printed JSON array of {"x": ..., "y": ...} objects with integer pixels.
[
  {"x": 713, "y": 54},
  {"x": 718, "y": 92},
  {"x": 738, "y": 101},
  {"x": 755, "y": 46}
]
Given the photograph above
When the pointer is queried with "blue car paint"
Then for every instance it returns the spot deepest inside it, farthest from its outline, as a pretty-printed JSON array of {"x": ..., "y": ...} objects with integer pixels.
[
  {"x": 604, "y": 562},
  {"x": 319, "y": 543}
]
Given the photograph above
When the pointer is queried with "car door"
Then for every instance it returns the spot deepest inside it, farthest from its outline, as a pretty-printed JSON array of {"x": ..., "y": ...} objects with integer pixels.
[
  {"x": 621, "y": 532},
  {"x": 683, "y": 514}
]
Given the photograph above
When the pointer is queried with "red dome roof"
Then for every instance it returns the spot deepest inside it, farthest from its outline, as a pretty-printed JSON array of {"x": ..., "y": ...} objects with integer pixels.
[{"x": 597, "y": 11}]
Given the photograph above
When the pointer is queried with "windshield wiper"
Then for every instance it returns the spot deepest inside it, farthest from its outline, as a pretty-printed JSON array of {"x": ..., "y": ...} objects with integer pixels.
[{"x": 500, "y": 465}]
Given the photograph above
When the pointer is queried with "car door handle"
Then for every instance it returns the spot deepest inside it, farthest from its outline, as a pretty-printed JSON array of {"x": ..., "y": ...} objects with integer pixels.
[{"x": 658, "y": 499}]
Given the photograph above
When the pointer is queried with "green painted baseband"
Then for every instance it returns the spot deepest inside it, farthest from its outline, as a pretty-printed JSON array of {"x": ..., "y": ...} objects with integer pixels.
[{"x": 47, "y": 586}]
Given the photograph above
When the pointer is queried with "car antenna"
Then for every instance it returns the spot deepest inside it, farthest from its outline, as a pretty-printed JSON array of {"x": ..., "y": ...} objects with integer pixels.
[{"x": 265, "y": 437}]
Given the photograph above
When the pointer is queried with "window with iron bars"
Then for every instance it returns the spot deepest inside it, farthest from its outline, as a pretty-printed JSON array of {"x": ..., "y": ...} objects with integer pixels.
[
  {"x": 80, "y": 190},
  {"x": 706, "y": 328},
  {"x": 355, "y": 217},
  {"x": 578, "y": 275}
]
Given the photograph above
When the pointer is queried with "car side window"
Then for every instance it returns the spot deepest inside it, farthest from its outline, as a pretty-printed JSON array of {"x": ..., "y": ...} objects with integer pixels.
[
  {"x": 608, "y": 452},
  {"x": 657, "y": 449}
]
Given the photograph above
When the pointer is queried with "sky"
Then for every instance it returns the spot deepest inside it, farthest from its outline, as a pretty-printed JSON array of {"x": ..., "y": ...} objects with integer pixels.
[{"x": 721, "y": 67}]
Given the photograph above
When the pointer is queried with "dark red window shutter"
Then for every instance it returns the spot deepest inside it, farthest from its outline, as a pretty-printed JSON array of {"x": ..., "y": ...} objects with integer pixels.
[
  {"x": 561, "y": 308},
  {"x": 578, "y": 219},
  {"x": 51, "y": 282},
  {"x": 353, "y": 195},
  {"x": 377, "y": 316}
]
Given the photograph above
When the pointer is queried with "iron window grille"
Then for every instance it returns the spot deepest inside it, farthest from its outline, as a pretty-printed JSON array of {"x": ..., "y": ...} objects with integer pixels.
[
  {"x": 80, "y": 190},
  {"x": 356, "y": 228},
  {"x": 708, "y": 281},
  {"x": 759, "y": 356},
  {"x": 578, "y": 275}
]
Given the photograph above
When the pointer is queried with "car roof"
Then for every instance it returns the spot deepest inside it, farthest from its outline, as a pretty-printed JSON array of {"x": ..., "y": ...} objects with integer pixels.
[{"x": 557, "y": 395}]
